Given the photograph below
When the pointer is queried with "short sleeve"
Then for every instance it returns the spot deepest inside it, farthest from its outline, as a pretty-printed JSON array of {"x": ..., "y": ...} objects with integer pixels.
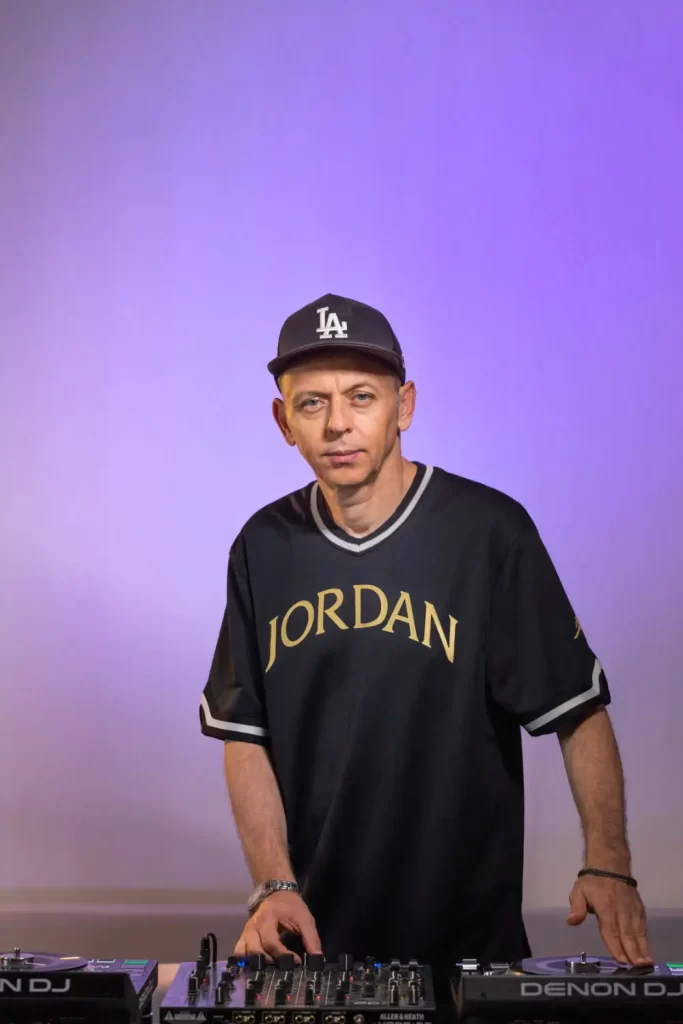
[
  {"x": 232, "y": 704},
  {"x": 540, "y": 667}
]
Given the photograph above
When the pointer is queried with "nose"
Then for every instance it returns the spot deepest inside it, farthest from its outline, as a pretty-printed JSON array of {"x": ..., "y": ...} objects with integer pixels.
[{"x": 338, "y": 416}]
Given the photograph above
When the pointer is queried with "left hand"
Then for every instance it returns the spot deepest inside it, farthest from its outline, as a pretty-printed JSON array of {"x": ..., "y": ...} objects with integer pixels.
[{"x": 620, "y": 913}]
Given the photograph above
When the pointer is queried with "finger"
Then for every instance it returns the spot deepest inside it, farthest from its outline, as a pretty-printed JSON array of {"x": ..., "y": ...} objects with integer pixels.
[
  {"x": 634, "y": 928},
  {"x": 641, "y": 932},
  {"x": 252, "y": 940},
  {"x": 270, "y": 939},
  {"x": 578, "y": 906},
  {"x": 607, "y": 923},
  {"x": 627, "y": 937},
  {"x": 240, "y": 947},
  {"x": 644, "y": 944},
  {"x": 309, "y": 935}
]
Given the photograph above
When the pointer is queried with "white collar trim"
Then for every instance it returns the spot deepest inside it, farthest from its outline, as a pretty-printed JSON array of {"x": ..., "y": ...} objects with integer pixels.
[{"x": 366, "y": 545}]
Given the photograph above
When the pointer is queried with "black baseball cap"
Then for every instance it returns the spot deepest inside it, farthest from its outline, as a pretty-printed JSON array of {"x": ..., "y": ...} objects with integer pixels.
[{"x": 335, "y": 322}]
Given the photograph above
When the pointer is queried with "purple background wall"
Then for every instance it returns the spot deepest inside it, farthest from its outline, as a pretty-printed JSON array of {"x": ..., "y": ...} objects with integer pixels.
[{"x": 504, "y": 180}]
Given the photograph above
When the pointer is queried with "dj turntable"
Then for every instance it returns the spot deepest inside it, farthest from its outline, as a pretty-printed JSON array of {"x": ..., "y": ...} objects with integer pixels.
[
  {"x": 37, "y": 988},
  {"x": 554, "y": 990}
]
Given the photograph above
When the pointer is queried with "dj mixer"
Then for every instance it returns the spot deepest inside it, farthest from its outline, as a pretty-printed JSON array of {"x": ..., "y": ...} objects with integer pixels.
[{"x": 252, "y": 991}]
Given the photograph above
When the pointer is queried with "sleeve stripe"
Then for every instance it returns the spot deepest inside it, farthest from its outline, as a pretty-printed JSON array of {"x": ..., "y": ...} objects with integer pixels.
[
  {"x": 569, "y": 705},
  {"x": 252, "y": 730}
]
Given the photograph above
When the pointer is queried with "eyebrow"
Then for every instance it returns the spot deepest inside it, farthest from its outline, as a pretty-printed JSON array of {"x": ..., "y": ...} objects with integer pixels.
[{"x": 311, "y": 393}]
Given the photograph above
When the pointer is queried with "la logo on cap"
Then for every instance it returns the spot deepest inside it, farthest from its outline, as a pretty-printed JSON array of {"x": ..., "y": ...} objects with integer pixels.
[{"x": 330, "y": 325}]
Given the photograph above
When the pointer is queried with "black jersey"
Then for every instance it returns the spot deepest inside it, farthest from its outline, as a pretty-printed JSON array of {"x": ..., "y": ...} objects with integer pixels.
[{"x": 389, "y": 678}]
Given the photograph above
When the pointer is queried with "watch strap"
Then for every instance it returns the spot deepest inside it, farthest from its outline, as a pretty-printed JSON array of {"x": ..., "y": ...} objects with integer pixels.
[{"x": 268, "y": 887}]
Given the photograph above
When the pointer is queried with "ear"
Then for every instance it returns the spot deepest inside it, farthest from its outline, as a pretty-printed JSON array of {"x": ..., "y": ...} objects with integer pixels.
[
  {"x": 280, "y": 417},
  {"x": 406, "y": 405}
]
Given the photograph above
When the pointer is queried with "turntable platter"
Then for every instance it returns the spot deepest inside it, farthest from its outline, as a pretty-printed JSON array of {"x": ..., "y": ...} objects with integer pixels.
[
  {"x": 580, "y": 964},
  {"x": 18, "y": 960}
]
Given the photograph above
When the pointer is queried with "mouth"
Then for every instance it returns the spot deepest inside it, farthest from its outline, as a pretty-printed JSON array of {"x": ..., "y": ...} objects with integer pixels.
[{"x": 343, "y": 457}]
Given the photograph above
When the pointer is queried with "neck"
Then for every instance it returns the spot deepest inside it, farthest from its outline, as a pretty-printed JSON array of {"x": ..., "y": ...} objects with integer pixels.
[{"x": 362, "y": 510}]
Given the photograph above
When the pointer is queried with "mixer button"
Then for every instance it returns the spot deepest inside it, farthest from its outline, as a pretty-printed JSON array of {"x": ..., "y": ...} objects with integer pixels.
[
  {"x": 314, "y": 961},
  {"x": 285, "y": 962},
  {"x": 256, "y": 962},
  {"x": 345, "y": 961},
  {"x": 340, "y": 994}
]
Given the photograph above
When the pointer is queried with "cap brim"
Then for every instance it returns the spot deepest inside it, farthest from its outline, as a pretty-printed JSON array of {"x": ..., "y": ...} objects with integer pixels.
[{"x": 280, "y": 364}]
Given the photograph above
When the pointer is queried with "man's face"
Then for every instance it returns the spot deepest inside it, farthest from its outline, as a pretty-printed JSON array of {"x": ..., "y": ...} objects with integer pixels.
[{"x": 343, "y": 411}]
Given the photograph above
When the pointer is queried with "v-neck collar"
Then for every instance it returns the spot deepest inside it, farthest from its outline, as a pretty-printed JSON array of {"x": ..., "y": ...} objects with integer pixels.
[{"x": 329, "y": 529}]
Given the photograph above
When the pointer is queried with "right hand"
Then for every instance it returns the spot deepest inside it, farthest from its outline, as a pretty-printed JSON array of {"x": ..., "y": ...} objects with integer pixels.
[{"x": 280, "y": 911}]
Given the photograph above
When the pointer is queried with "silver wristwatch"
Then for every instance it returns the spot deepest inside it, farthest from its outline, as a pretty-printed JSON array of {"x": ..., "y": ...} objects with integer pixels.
[{"x": 265, "y": 889}]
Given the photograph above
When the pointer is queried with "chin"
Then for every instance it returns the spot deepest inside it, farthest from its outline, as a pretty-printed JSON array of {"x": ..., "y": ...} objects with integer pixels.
[{"x": 345, "y": 476}]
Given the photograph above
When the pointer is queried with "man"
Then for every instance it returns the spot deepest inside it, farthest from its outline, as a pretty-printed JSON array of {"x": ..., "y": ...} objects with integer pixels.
[{"x": 388, "y": 630}]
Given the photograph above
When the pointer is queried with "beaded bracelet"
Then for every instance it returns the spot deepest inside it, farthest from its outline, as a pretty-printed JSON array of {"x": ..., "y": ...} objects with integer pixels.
[{"x": 609, "y": 874}]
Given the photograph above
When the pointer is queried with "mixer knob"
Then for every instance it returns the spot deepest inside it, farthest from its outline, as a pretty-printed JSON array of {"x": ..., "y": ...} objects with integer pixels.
[
  {"x": 369, "y": 988},
  {"x": 370, "y": 963},
  {"x": 395, "y": 965},
  {"x": 345, "y": 961},
  {"x": 393, "y": 994},
  {"x": 413, "y": 994},
  {"x": 250, "y": 993},
  {"x": 309, "y": 995},
  {"x": 340, "y": 994},
  {"x": 314, "y": 961},
  {"x": 256, "y": 962},
  {"x": 233, "y": 961},
  {"x": 285, "y": 962},
  {"x": 259, "y": 980},
  {"x": 413, "y": 965},
  {"x": 192, "y": 985},
  {"x": 318, "y": 980},
  {"x": 220, "y": 992},
  {"x": 280, "y": 993},
  {"x": 469, "y": 965}
]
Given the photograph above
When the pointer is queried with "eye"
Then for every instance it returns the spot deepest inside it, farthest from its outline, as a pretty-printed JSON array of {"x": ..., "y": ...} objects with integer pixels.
[
  {"x": 309, "y": 403},
  {"x": 364, "y": 397}
]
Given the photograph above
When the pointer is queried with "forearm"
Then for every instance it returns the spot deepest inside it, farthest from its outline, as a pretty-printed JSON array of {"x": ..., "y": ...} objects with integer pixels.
[
  {"x": 594, "y": 770},
  {"x": 258, "y": 811}
]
